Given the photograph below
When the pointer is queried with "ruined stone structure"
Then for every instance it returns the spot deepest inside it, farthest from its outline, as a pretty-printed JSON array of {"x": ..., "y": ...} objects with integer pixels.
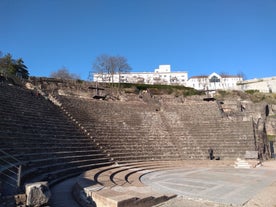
[
  {"x": 43, "y": 141},
  {"x": 262, "y": 117},
  {"x": 38, "y": 194}
]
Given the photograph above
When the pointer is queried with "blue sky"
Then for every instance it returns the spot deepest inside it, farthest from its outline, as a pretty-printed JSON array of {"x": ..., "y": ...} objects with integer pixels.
[{"x": 197, "y": 36}]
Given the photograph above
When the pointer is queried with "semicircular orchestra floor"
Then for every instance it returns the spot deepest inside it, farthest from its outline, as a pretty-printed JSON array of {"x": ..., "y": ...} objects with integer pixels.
[{"x": 222, "y": 185}]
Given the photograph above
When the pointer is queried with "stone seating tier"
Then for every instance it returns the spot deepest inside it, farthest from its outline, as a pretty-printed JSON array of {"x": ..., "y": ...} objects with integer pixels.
[
  {"x": 121, "y": 183},
  {"x": 176, "y": 131},
  {"x": 46, "y": 143},
  {"x": 52, "y": 145}
]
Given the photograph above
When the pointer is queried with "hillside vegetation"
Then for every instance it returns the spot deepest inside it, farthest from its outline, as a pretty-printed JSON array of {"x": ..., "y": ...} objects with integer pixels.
[
  {"x": 252, "y": 95},
  {"x": 175, "y": 90}
]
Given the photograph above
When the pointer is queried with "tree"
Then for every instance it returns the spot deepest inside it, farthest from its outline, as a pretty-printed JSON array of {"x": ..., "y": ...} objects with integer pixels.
[
  {"x": 102, "y": 66},
  {"x": 122, "y": 66},
  {"x": 21, "y": 69},
  {"x": 7, "y": 65},
  {"x": 242, "y": 75},
  {"x": 63, "y": 73},
  {"x": 107, "y": 66},
  {"x": 224, "y": 74},
  {"x": 10, "y": 66}
]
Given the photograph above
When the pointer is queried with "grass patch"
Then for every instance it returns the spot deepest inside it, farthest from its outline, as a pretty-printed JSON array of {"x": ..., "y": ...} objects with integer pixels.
[{"x": 251, "y": 91}]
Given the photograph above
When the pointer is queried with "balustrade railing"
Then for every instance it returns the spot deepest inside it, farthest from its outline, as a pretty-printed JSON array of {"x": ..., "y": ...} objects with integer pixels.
[{"x": 10, "y": 171}]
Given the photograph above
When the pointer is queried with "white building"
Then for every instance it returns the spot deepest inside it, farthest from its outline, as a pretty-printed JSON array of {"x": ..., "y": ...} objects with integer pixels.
[
  {"x": 214, "y": 82},
  {"x": 161, "y": 75}
]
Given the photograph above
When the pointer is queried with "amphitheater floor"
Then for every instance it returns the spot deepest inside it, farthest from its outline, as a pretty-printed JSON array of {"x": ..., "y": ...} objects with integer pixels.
[{"x": 217, "y": 186}]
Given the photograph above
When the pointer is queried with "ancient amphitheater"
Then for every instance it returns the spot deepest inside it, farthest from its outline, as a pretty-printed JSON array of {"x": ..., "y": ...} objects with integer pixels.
[{"x": 142, "y": 150}]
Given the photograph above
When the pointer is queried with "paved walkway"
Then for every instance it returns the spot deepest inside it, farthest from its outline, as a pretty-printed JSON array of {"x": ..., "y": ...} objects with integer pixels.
[
  {"x": 229, "y": 185},
  {"x": 62, "y": 196}
]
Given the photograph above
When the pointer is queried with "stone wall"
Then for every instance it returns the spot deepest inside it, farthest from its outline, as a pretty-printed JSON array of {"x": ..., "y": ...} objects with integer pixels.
[{"x": 263, "y": 120}]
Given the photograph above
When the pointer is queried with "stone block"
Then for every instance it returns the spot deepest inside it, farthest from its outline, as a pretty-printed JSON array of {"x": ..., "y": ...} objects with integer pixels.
[
  {"x": 38, "y": 194},
  {"x": 20, "y": 199},
  {"x": 251, "y": 155}
]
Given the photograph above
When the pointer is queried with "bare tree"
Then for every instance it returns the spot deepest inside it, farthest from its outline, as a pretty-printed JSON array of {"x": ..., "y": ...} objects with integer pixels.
[
  {"x": 101, "y": 66},
  {"x": 242, "y": 75},
  {"x": 63, "y": 73},
  {"x": 223, "y": 74},
  {"x": 122, "y": 66},
  {"x": 107, "y": 66}
]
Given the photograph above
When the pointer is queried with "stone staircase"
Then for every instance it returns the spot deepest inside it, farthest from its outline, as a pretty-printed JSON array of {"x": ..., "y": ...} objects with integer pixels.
[
  {"x": 132, "y": 131},
  {"x": 44, "y": 141},
  {"x": 240, "y": 163},
  {"x": 54, "y": 142}
]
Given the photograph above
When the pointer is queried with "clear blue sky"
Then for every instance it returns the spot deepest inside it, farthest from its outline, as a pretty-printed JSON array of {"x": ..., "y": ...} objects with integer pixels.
[{"x": 197, "y": 36}]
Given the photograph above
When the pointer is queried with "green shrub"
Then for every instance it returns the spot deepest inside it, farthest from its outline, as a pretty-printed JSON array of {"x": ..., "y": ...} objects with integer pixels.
[
  {"x": 251, "y": 91},
  {"x": 222, "y": 93},
  {"x": 79, "y": 81},
  {"x": 163, "y": 89}
]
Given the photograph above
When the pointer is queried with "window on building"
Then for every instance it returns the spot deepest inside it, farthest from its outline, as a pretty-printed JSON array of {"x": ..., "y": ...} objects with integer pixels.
[{"x": 214, "y": 79}]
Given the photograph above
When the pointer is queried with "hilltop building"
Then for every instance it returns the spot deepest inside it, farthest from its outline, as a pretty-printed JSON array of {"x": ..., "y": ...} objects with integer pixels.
[
  {"x": 161, "y": 75},
  {"x": 214, "y": 82},
  {"x": 164, "y": 75}
]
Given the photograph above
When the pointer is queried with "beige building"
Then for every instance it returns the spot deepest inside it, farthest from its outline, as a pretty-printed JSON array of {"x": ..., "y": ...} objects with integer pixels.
[{"x": 265, "y": 85}]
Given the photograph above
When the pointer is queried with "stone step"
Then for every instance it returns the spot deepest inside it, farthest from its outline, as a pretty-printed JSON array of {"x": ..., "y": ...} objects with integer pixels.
[{"x": 239, "y": 163}]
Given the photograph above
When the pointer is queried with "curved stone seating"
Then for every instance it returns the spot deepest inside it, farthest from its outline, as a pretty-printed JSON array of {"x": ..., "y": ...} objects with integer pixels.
[
  {"x": 54, "y": 143},
  {"x": 120, "y": 184},
  {"x": 114, "y": 185},
  {"x": 48, "y": 145},
  {"x": 136, "y": 131}
]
